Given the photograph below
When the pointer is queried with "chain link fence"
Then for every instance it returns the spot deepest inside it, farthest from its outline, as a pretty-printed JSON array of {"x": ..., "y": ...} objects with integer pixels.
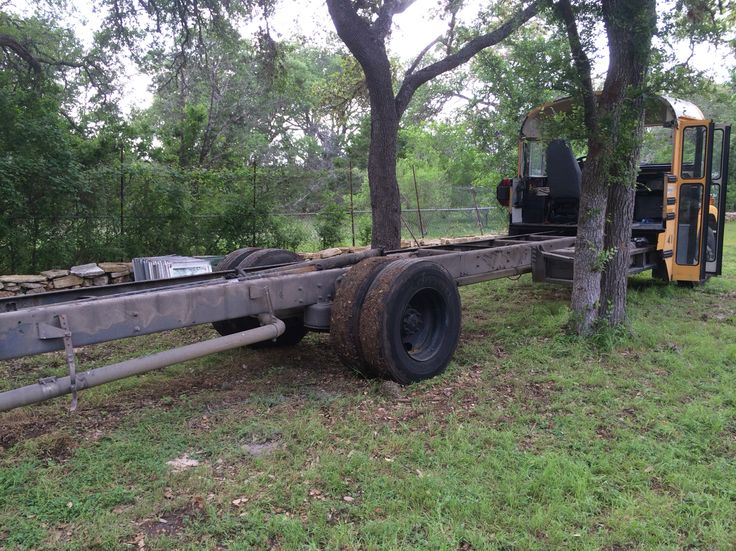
[
  {"x": 416, "y": 224},
  {"x": 150, "y": 209}
]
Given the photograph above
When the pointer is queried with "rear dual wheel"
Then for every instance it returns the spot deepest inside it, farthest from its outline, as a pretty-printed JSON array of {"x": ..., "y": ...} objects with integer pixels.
[
  {"x": 252, "y": 257},
  {"x": 346, "y": 311},
  {"x": 408, "y": 323}
]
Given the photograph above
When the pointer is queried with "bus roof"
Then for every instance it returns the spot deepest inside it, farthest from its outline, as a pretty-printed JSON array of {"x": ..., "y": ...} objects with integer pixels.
[{"x": 660, "y": 111}]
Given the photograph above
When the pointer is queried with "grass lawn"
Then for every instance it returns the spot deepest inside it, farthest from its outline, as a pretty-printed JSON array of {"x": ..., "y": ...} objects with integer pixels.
[{"x": 532, "y": 439}]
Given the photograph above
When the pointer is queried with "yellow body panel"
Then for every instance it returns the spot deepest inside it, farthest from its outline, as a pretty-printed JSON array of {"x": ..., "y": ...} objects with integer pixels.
[{"x": 683, "y": 272}]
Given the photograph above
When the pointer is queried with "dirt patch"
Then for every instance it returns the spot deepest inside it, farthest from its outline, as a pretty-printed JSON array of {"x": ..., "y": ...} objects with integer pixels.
[
  {"x": 242, "y": 379},
  {"x": 532, "y": 396},
  {"x": 252, "y": 381},
  {"x": 603, "y": 432},
  {"x": 659, "y": 486},
  {"x": 540, "y": 391},
  {"x": 14, "y": 428},
  {"x": 170, "y": 523}
]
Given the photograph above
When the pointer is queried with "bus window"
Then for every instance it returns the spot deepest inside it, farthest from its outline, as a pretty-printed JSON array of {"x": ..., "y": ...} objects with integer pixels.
[
  {"x": 715, "y": 171},
  {"x": 656, "y": 147},
  {"x": 537, "y": 160},
  {"x": 693, "y": 152},
  {"x": 711, "y": 234},
  {"x": 688, "y": 216}
]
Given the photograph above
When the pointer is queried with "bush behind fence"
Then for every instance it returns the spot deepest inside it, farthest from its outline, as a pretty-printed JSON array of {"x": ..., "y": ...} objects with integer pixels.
[{"x": 159, "y": 210}]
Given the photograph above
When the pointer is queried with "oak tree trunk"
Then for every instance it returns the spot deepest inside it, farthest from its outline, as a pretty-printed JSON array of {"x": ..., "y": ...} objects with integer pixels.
[
  {"x": 614, "y": 127},
  {"x": 365, "y": 38},
  {"x": 632, "y": 23},
  {"x": 621, "y": 195},
  {"x": 384, "y": 187},
  {"x": 586, "y": 290},
  {"x": 618, "y": 235}
]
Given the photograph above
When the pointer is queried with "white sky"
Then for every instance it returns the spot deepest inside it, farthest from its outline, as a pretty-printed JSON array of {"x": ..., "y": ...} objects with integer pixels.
[{"x": 412, "y": 31}]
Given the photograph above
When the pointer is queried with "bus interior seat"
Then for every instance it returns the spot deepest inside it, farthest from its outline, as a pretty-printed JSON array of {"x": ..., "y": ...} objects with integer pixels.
[{"x": 564, "y": 179}]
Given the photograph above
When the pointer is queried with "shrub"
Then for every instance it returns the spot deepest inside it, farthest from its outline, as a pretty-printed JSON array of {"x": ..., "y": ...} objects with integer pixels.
[{"x": 330, "y": 222}]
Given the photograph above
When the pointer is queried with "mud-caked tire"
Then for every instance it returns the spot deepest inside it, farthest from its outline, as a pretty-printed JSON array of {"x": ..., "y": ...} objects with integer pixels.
[
  {"x": 346, "y": 311},
  {"x": 252, "y": 257},
  {"x": 410, "y": 321}
]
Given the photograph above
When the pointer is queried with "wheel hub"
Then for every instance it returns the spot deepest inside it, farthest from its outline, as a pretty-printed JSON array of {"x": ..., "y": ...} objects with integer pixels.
[{"x": 412, "y": 322}]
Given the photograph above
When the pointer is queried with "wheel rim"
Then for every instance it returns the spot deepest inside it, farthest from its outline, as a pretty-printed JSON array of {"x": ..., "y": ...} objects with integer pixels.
[{"x": 423, "y": 325}]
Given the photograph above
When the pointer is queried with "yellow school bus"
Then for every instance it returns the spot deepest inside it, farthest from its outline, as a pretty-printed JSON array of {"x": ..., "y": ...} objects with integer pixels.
[{"x": 680, "y": 196}]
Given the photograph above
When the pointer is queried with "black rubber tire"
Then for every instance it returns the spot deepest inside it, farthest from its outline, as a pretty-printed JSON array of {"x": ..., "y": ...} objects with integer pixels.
[
  {"x": 231, "y": 262},
  {"x": 233, "y": 259},
  {"x": 295, "y": 329},
  {"x": 410, "y": 322},
  {"x": 269, "y": 257},
  {"x": 660, "y": 271},
  {"x": 346, "y": 309}
]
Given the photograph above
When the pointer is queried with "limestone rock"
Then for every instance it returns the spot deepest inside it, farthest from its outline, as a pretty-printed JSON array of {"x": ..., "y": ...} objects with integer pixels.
[
  {"x": 329, "y": 253},
  {"x": 53, "y": 274},
  {"x": 32, "y": 285},
  {"x": 123, "y": 279},
  {"x": 111, "y": 267},
  {"x": 67, "y": 282},
  {"x": 119, "y": 274},
  {"x": 5, "y": 294},
  {"x": 87, "y": 270},
  {"x": 36, "y": 291},
  {"x": 18, "y": 279},
  {"x": 99, "y": 281}
]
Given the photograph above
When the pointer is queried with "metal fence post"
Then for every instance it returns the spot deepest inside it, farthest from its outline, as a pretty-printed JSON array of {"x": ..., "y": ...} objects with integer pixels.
[
  {"x": 352, "y": 211},
  {"x": 254, "y": 223},
  {"x": 419, "y": 210}
]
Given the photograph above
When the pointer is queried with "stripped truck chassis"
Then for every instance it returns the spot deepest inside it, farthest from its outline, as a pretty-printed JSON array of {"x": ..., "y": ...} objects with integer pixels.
[{"x": 37, "y": 324}]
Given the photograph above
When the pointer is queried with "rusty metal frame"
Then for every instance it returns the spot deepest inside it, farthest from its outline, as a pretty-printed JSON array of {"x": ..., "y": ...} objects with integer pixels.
[{"x": 291, "y": 288}]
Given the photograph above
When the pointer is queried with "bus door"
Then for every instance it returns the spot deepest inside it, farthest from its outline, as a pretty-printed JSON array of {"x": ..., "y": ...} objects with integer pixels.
[
  {"x": 715, "y": 196},
  {"x": 692, "y": 145}
]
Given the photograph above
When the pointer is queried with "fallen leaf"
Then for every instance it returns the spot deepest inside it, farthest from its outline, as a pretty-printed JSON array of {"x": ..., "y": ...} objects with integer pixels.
[{"x": 237, "y": 502}]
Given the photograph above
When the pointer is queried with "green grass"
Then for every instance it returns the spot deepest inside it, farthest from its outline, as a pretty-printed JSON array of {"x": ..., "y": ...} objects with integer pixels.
[{"x": 532, "y": 439}]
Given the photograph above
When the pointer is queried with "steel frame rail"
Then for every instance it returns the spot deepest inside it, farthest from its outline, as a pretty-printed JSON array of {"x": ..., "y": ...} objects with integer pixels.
[{"x": 285, "y": 291}]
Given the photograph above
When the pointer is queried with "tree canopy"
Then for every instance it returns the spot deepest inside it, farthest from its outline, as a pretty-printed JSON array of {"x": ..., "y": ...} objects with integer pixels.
[{"x": 239, "y": 112}]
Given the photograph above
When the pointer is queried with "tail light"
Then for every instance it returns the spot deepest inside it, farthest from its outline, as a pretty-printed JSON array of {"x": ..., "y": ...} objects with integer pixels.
[{"x": 503, "y": 192}]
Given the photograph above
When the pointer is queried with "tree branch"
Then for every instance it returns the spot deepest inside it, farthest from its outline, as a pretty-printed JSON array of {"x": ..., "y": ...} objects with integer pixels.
[
  {"x": 10, "y": 43},
  {"x": 582, "y": 64},
  {"x": 421, "y": 55},
  {"x": 382, "y": 25},
  {"x": 353, "y": 31},
  {"x": 472, "y": 47}
]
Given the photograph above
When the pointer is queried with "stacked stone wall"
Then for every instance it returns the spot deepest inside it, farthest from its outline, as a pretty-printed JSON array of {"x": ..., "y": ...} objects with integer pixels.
[{"x": 84, "y": 275}]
